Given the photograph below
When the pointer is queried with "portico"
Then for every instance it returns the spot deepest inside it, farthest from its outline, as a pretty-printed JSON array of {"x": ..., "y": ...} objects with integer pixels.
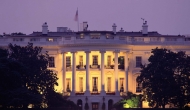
[{"x": 98, "y": 74}]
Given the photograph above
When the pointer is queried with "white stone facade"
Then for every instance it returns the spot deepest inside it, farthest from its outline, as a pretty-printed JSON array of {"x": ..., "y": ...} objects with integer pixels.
[{"x": 86, "y": 62}]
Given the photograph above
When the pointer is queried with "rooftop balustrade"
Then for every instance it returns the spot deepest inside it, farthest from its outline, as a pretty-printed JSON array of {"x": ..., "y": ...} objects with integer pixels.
[
  {"x": 91, "y": 40},
  {"x": 95, "y": 93}
]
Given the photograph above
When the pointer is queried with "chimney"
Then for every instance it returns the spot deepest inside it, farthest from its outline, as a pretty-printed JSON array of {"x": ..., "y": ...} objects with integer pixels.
[
  {"x": 114, "y": 28},
  {"x": 85, "y": 26},
  {"x": 145, "y": 28},
  {"x": 45, "y": 29}
]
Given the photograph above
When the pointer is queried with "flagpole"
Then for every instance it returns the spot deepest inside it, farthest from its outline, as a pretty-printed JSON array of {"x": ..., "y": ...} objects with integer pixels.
[{"x": 78, "y": 19}]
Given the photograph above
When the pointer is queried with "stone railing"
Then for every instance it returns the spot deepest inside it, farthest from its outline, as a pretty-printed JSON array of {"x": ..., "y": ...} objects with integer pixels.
[{"x": 87, "y": 41}]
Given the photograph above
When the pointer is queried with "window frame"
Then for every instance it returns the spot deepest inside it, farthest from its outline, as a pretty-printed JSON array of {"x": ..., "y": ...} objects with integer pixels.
[
  {"x": 93, "y": 79},
  {"x": 121, "y": 81},
  {"x": 68, "y": 62},
  {"x": 109, "y": 84},
  {"x": 81, "y": 61},
  {"x": 109, "y": 60},
  {"x": 138, "y": 87},
  {"x": 51, "y": 62},
  {"x": 138, "y": 62},
  {"x": 68, "y": 83},
  {"x": 95, "y": 60},
  {"x": 81, "y": 84}
]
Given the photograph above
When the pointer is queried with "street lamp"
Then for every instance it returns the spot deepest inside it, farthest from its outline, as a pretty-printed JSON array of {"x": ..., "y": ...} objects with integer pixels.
[{"x": 86, "y": 99}]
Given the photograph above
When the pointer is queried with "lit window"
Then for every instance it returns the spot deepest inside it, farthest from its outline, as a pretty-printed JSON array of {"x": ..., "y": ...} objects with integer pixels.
[
  {"x": 138, "y": 61},
  {"x": 109, "y": 61},
  {"x": 95, "y": 84},
  {"x": 68, "y": 61},
  {"x": 121, "y": 81},
  {"x": 51, "y": 62},
  {"x": 81, "y": 84},
  {"x": 51, "y": 39},
  {"x": 68, "y": 82},
  {"x": 81, "y": 61},
  {"x": 95, "y": 60},
  {"x": 82, "y": 36},
  {"x": 109, "y": 84}
]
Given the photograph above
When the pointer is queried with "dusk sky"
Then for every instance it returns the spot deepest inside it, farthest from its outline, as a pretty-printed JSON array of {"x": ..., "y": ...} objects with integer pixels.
[{"x": 164, "y": 16}]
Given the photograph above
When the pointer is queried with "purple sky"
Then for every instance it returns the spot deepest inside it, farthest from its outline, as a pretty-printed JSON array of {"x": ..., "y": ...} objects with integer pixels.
[{"x": 164, "y": 16}]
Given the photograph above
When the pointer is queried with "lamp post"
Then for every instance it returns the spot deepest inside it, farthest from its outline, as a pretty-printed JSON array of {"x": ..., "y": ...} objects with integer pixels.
[
  {"x": 103, "y": 104},
  {"x": 86, "y": 104},
  {"x": 86, "y": 99}
]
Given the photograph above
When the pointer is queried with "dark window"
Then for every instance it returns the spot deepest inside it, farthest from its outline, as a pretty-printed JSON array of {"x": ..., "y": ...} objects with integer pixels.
[
  {"x": 138, "y": 87},
  {"x": 94, "y": 106},
  {"x": 138, "y": 61},
  {"x": 51, "y": 62}
]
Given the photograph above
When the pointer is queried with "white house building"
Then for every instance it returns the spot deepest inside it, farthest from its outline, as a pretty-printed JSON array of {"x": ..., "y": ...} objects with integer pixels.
[{"x": 97, "y": 67}]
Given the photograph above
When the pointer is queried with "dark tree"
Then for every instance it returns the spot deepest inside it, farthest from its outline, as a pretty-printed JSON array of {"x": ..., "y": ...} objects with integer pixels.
[
  {"x": 182, "y": 78},
  {"x": 12, "y": 91},
  {"x": 157, "y": 77},
  {"x": 166, "y": 79},
  {"x": 38, "y": 79}
]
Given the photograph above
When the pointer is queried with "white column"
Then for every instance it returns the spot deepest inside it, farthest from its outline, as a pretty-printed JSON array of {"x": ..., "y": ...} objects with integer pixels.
[
  {"x": 116, "y": 71},
  {"x": 73, "y": 72},
  {"x": 63, "y": 70},
  {"x": 87, "y": 92},
  {"x": 102, "y": 73},
  {"x": 126, "y": 69}
]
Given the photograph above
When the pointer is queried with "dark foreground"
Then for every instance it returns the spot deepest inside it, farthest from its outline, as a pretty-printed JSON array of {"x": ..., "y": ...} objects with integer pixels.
[{"x": 112, "y": 109}]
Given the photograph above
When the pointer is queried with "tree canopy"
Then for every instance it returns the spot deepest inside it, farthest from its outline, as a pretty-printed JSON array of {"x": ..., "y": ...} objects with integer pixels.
[
  {"x": 25, "y": 78},
  {"x": 167, "y": 71}
]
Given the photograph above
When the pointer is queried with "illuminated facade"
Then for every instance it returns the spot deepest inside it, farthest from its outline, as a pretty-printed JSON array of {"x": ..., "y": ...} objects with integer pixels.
[{"x": 98, "y": 66}]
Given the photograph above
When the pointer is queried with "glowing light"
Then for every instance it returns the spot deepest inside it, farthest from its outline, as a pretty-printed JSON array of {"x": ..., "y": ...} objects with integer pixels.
[{"x": 125, "y": 105}]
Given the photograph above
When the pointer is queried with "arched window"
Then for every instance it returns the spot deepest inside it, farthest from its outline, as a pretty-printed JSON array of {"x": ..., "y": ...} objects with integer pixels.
[
  {"x": 138, "y": 87},
  {"x": 79, "y": 104},
  {"x": 110, "y": 104}
]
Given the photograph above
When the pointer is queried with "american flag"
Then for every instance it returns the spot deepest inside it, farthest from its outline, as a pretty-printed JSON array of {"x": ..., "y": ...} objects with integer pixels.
[{"x": 76, "y": 16}]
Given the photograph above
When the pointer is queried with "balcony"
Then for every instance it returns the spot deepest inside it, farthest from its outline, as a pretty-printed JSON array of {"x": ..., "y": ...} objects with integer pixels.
[
  {"x": 69, "y": 68},
  {"x": 79, "y": 93},
  {"x": 79, "y": 67},
  {"x": 110, "y": 93},
  {"x": 95, "y": 66},
  {"x": 95, "y": 93},
  {"x": 109, "y": 66}
]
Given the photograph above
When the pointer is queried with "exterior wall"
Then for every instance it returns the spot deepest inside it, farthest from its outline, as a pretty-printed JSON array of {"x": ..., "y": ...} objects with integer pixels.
[{"x": 127, "y": 47}]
